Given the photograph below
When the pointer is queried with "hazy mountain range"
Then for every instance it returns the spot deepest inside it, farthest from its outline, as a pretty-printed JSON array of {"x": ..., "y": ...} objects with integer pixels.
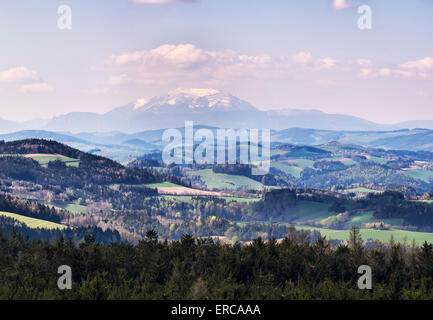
[
  {"x": 205, "y": 107},
  {"x": 124, "y": 147}
]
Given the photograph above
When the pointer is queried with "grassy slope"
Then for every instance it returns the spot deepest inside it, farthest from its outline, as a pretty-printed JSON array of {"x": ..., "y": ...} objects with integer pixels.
[
  {"x": 302, "y": 162},
  {"x": 308, "y": 210},
  {"x": 292, "y": 170},
  {"x": 381, "y": 235},
  {"x": 32, "y": 222},
  {"x": 361, "y": 190},
  {"x": 163, "y": 185},
  {"x": 44, "y": 160},
  {"x": 419, "y": 174},
  {"x": 227, "y": 198},
  {"x": 358, "y": 219},
  {"x": 378, "y": 160},
  {"x": 222, "y": 181},
  {"x": 72, "y": 207}
]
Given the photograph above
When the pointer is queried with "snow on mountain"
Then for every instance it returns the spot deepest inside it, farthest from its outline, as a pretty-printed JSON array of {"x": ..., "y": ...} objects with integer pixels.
[
  {"x": 203, "y": 106},
  {"x": 194, "y": 98}
]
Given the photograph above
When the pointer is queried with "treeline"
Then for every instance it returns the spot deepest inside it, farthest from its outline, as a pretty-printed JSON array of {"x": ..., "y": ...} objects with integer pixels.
[
  {"x": 92, "y": 168},
  {"x": 364, "y": 172},
  {"x": 202, "y": 269},
  {"x": 30, "y": 209},
  {"x": 392, "y": 204},
  {"x": 12, "y": 228}
]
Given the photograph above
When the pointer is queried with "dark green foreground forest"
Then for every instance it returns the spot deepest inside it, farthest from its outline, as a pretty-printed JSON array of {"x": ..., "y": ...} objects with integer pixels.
[{"x": 202, "y": 269}]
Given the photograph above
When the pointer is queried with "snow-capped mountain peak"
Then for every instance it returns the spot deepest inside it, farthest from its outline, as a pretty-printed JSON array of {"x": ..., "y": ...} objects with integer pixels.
[{"x": 191, "y": 99}]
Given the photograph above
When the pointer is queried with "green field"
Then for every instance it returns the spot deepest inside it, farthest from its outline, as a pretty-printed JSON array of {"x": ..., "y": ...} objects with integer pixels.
[
  {"x": 32, "y": 222},
  {"x": 347, "y": 162},
  {"x": 378, "y": 160},
  {"x": 221, "y": 181},
  {"x": 426, "y": 201},
  {"x": 381, "y": 235},
  {"x": 163, "y": 185},
  {"x": 72, "y": 207},
  {"x": 300, "y": 154},
  {"x": 44, "y": 160},
  {"x": 292, "y": 170},
  {"x": 419, "y": 174},
  {"x": 308, "y": 210},
  {"x": 358, "y": 219},
  {"x": 301, "y": 162},
  {"x": 361, "y": 190},
  {"x": 238, "y": 199},
  {"x": 227, "y": 198}
]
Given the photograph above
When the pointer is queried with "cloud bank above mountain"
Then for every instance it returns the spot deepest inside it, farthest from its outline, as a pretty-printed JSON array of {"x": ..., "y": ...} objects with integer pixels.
[{"x": 169, "y": 63}]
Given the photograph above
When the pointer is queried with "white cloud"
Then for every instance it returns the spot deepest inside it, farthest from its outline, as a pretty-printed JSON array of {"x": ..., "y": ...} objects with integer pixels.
[
  {"x": 17, "y": 75},
  {"x": 186, "y": 62},
  {"x": 422, "y": 65},
  {"x": 340, "y": 4},
  {"x": 418, "y": 69},
  {"x": 327, "y": 63},
  {"x": 383, "y": 73},
  {"x": 303, "y": 58},
  {"x": 364, "y": 62},
  {"x": 36, "y": 88}
]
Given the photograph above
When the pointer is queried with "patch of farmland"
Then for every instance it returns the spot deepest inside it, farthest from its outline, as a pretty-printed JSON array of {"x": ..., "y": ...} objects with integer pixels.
[
  {"x": 378, "y": 160},
  {"x": 221, "y": 181},
  {"x": 301, "y": 162},
  {"x": 32, "y": 222},
  {"x": 72, "y": 207},
  {"x": 292, "y": 170},
  {"x": 168, "y": 188},
  {"x": 361, "y": 190},
  {"x": 420, "y": 174},
  {"x": 44, "y": 159},
  {"x": 163, "y": 185},
  {"x": 308, "y": 211},
  {"x": 400, "y": 236}
]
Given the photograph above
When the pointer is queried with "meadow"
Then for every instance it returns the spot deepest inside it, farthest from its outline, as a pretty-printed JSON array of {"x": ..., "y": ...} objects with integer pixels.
[
  {"x": 400, "y": 236},
  {"x": 292, "y": 170},
  {"x": 32, "y": 222},
  {"x": 421, "y": 174},
  {"x": 221, "y": 181}
]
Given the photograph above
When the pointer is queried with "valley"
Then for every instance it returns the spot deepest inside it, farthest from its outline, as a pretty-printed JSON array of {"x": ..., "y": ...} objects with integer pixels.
[{"x": 324, "y": 190}]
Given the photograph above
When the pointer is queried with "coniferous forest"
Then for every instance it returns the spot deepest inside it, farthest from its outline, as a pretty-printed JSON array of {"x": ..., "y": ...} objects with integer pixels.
[{"x": 202, "y": 269}]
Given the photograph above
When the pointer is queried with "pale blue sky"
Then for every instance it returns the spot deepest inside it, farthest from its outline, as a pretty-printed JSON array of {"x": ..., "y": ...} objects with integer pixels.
[{"x": 272, "y": 53}]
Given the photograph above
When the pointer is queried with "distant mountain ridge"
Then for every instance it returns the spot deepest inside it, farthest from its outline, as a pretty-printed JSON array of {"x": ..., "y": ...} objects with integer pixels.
[
  {"x": 115, "y": 144},
  {"x": 208, "y": 107}
]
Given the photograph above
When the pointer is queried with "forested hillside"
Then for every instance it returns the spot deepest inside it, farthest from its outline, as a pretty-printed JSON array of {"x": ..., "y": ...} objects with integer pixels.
[{"x": 201, "y": 269}]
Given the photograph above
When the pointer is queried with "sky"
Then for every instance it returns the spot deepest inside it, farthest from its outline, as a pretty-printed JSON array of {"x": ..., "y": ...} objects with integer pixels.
[{"x": 275, "y": 54}]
